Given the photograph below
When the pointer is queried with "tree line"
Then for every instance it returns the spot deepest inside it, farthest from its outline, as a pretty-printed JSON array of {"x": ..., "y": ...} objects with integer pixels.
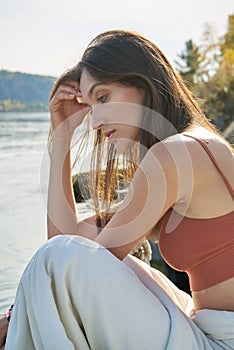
[{"x": 20, "y": 92}]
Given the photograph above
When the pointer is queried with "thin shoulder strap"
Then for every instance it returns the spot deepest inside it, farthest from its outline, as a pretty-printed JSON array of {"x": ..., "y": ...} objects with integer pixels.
[{"x": 206, "y": 148}]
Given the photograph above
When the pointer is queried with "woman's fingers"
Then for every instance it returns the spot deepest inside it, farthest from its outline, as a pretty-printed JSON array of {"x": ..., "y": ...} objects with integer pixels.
[
  {"x": 65, "y": 92},
  {"x": 61, "y": 96},
  {"x": 69, "y": 89},
  {"x": 67, "y": 109}
]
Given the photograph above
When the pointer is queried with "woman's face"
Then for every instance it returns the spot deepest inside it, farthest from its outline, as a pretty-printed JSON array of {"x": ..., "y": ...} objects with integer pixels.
[{"x": 116, "y": 110}]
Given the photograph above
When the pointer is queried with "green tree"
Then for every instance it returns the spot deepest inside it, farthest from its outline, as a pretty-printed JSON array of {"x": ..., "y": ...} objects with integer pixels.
[
  {"x": 221, "y": 101},
  {"x": 198, "y": 64},
  {"x": 209, "y": 69},
  {"x": 189, "y": 63}
]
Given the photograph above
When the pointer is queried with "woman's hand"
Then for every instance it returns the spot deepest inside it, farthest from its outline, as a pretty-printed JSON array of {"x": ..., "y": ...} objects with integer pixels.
[{"x": 67, "y": 113}]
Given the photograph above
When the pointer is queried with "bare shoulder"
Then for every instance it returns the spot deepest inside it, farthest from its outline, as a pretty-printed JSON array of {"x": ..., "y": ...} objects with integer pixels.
[
  {"x": 175, "y": 151},
  {"x": 213, "y": 146},
  {"x": 169, "y": 147},
  {"x": 196, "y": 160},
  {"x": 213, "y": 141}
]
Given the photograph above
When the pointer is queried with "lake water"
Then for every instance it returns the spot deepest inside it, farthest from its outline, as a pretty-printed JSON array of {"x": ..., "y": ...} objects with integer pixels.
[{"x": 23, "y": 185}]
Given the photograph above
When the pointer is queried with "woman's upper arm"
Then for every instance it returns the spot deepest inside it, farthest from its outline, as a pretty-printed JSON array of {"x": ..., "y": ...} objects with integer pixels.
[{"x": 153, "y": 191}]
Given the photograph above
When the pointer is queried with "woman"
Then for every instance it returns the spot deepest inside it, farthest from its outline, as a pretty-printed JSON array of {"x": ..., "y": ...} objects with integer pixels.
[{"x": 82, "y": 290}]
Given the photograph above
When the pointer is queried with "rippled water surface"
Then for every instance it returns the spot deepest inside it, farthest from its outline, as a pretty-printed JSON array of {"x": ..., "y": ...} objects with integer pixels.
[{"x": 23, "y": 187}]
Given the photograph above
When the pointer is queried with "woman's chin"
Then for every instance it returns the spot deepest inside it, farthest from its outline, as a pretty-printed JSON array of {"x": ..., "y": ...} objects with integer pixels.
[{"x": 122, "y": 145}]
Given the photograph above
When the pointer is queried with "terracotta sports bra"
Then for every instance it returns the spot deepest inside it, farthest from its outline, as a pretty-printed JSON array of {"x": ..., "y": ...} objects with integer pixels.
[{"x": 204, "y": 248}]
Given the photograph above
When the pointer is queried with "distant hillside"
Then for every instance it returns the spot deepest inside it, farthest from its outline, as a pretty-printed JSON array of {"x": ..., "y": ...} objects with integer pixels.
[{"x": 24, "y": 92}]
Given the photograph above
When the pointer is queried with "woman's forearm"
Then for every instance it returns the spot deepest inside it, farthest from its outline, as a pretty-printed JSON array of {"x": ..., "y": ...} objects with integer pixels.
[
  {"x": 61, "y": 207},
  {"x": 67, "y": 113}
]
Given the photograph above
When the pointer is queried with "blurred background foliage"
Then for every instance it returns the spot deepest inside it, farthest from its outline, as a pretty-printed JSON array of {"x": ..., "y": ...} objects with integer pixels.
[{"x": 208, "y": 70}]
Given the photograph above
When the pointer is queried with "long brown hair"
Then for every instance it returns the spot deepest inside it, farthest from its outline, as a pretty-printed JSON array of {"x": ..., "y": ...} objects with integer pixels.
[{"x": 131, "y": 59}]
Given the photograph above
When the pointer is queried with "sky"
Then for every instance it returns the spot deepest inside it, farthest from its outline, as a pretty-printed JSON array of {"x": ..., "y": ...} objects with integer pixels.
[{"x": 48, "y": 36}]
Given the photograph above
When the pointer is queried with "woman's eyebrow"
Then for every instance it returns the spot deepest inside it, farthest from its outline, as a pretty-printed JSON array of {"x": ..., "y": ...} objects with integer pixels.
[{"x": 91, "y": 90}]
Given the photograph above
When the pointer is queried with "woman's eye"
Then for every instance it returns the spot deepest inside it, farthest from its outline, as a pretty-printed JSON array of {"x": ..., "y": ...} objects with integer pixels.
[{"x": 102, "y": 98}]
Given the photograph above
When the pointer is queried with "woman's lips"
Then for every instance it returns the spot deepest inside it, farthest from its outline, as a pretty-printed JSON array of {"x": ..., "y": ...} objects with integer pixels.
[{"x": 109, "y": 134}]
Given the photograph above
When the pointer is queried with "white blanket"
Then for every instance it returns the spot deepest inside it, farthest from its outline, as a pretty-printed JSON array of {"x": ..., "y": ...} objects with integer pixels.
[{"x": 74, "y": 294}]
